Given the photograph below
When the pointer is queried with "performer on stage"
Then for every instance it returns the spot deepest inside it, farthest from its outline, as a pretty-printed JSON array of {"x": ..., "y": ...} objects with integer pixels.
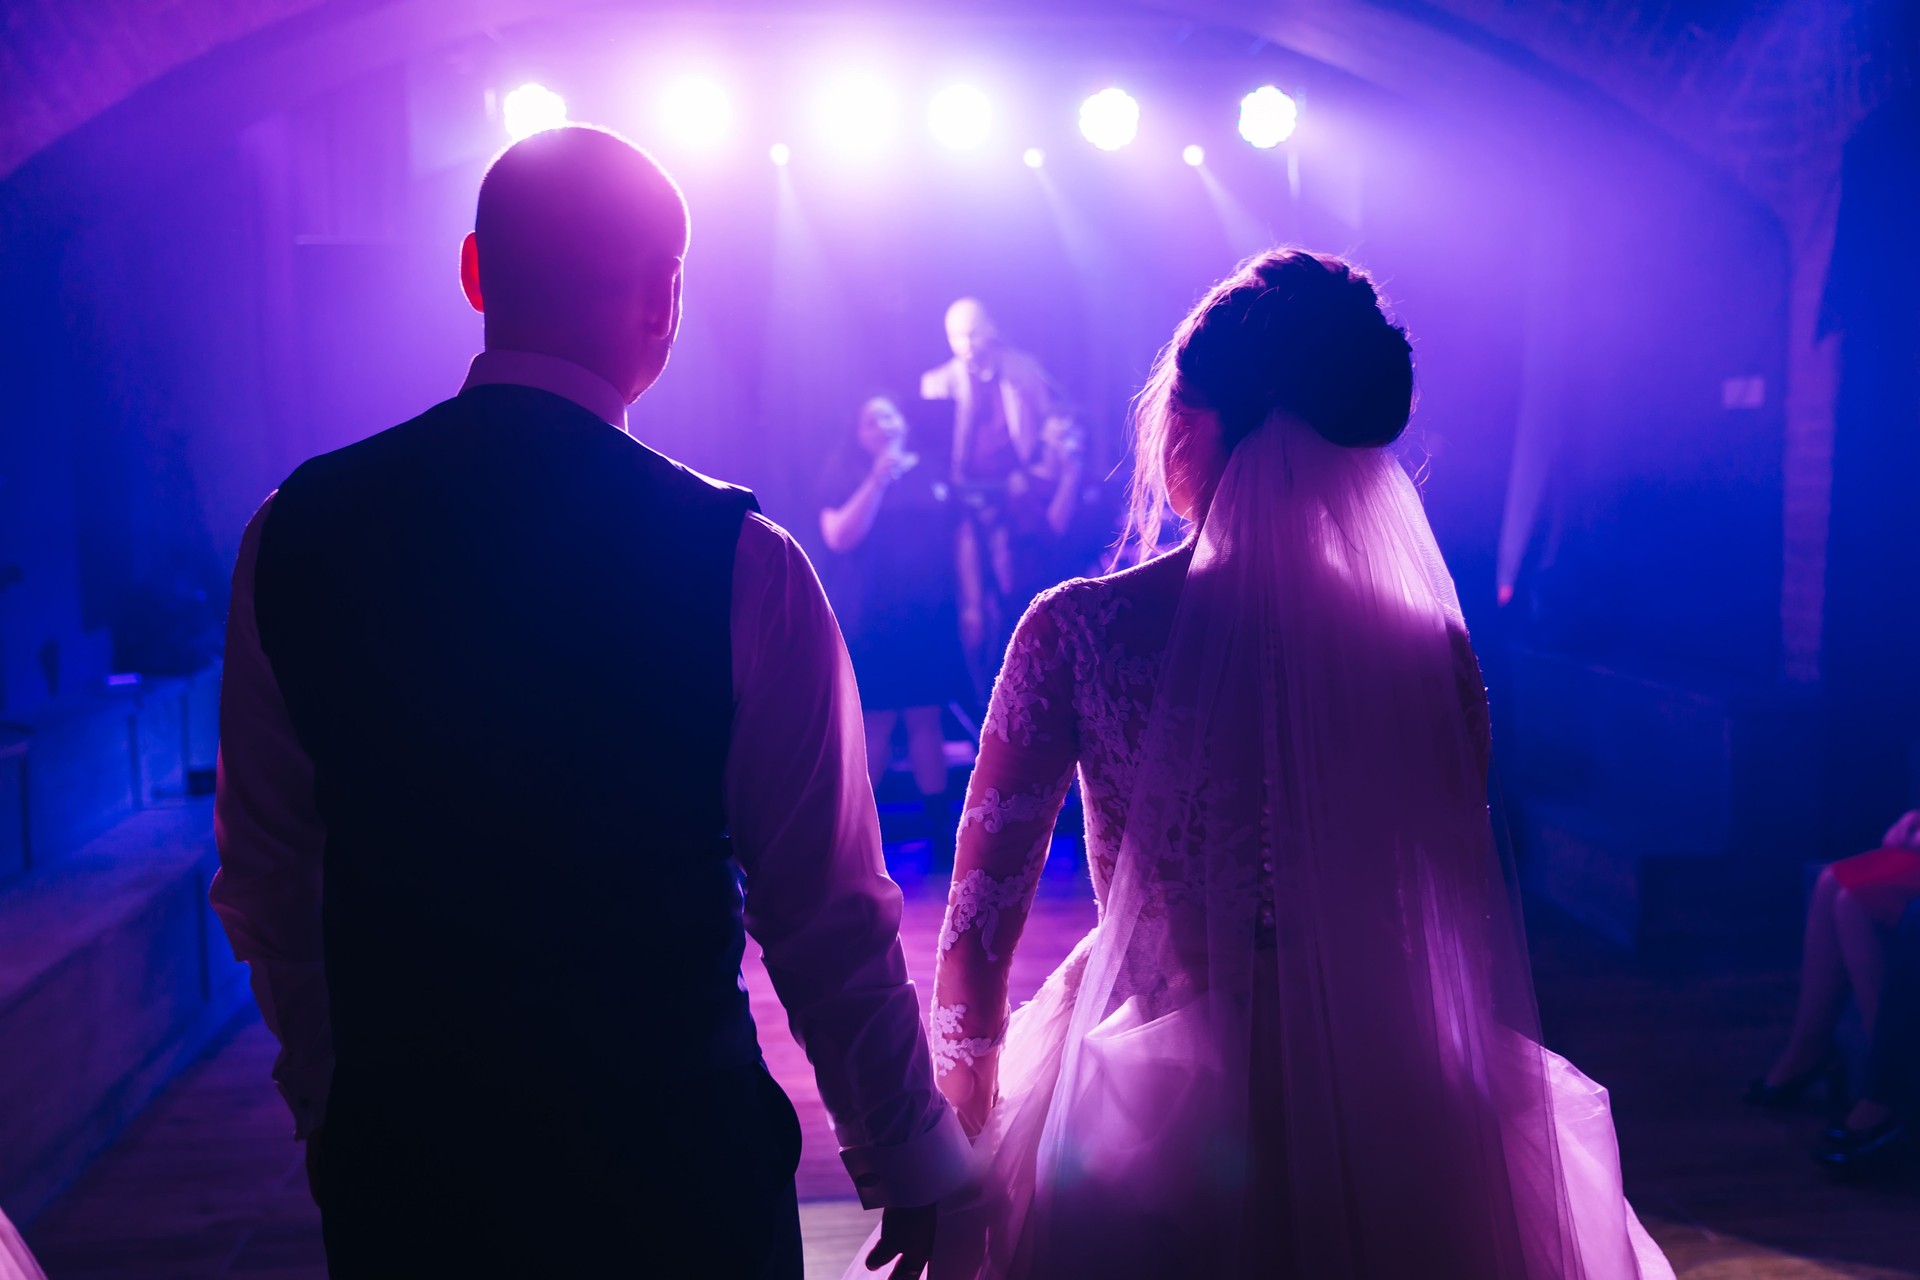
[
  {"x": 1003, "y": 420},
  {"x": 887, "y": 511},
  {"x": 1046, "y": 533}
]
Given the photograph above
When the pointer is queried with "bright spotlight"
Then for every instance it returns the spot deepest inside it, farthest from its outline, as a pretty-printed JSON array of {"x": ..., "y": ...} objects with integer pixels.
[
  {"x": 1195, "y": 155},
  {"x": 1109, "y": 119},
  {"x": 531, "y": 109},
  {"x": 1033, "y": 157},
  {"x": 960, "y": 117},
  {"x": 858, "y": 115},
  {"x": 1267, "y": 116},
  {"x": 696, "y": 112},
  {"x": 780, "y": 153}
]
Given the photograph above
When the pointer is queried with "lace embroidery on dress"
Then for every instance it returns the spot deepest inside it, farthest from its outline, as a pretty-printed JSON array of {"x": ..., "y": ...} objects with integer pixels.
[
  {"x": 996, "y": 810},
  {"x": 952, "y": 1047},
  {"x": 977, "y": 898},
  {"x": 1113, "y": 697},
  {"x": 1011, "y": 713}
]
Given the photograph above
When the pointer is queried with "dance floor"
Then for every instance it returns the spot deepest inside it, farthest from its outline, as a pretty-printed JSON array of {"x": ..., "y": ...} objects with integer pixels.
[{"x": 207, "y": 1184}]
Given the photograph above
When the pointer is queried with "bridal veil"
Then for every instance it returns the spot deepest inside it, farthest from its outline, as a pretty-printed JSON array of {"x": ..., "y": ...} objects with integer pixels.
[{"x": 1302, "y": 1040}]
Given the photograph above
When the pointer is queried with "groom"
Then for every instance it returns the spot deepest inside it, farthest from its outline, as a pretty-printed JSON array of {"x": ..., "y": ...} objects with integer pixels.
[{"x": 512, "y": 705}]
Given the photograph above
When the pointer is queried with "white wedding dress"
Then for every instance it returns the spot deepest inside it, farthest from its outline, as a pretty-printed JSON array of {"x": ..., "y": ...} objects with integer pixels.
[
  {"x": 1301, "y": 1040},
  {"x": 15, "y": 1262}
]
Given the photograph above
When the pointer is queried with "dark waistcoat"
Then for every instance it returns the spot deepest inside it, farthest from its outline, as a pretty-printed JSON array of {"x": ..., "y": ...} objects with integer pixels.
[{"x": 502, "y": 632}]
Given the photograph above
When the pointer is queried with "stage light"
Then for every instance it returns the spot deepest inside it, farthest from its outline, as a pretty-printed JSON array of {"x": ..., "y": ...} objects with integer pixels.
[
  {"x": 697, "y": 112},
  {"x": 531, "y": 109},
  {"x": 1267, "y": 117},
  {"x": 780, "y": 153},
  {"x": 1033, "y": 157},
  {"x": 1195, "y": 155},
  {"x": 858, "y": 115},
  {"x": 960, "y": 117},
  {"x": 1110, "y": 119}
]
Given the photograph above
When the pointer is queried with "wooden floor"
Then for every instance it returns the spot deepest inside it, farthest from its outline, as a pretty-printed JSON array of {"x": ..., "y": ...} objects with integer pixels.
[
  {"x": 208, "y": 1183},
  {"x": 1674, "y": 1047}
]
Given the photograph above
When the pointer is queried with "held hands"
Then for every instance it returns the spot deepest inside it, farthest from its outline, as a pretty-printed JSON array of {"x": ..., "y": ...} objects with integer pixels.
[
  {"x": 970, "y": 1092},
  {"x": 972, "y": 1113},
  {"x": 906, "y": 1234}
]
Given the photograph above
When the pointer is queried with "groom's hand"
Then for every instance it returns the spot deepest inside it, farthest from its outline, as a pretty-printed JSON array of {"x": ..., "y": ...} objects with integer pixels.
[{"x": 908, "y": 1235}]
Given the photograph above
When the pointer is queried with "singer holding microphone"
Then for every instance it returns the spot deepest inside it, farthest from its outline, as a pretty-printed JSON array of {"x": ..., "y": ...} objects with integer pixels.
[{"x": 888, "y": 516}]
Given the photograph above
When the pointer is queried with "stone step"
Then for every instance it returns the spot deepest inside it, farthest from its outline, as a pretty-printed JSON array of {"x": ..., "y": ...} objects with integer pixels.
[
  {"x": 83, "y": 770},
  {"x": 113, "y": 974},
  {"x": 1659, "y": 899},
  {"x": 1675, "y": 761},
  {"x": 76, "y": 766},
  {"x": 1663, "y": 809}
]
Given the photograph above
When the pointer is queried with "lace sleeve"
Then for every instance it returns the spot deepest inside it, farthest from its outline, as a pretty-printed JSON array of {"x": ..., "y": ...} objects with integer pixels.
[{"x": 1026, "y": 763}]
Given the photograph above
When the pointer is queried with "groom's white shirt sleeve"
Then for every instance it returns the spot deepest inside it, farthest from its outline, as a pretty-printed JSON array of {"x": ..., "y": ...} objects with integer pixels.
[
  {"x": 818, "y": 898},
  {"x": 819, "y": 901},
  {"x": 267, "y": 824}
]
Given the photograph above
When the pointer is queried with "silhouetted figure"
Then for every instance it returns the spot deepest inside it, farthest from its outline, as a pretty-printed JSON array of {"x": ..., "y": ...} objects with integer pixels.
[
  {"x": 1881, "y": 1134},
  {"x": 888, "y": 514},
  {"x": 512, "y": 706},
  {"x": 1016, "y": 467},
  {"x": 1856, "y": 902}
]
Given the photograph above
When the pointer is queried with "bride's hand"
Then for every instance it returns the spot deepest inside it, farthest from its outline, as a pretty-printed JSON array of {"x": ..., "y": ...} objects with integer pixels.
[
  {"x": 973, "y": 1113},
  {"x": 969, "y": 1092}
]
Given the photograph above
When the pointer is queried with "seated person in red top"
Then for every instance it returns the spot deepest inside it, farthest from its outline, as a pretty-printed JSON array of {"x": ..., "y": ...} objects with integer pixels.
[
  {"x": 1879, "y": 1137},
  {"x": 1856, "y": 903}
]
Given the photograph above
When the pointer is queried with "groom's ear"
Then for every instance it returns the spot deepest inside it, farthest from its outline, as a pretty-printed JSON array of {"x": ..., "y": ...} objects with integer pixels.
[
  {"x": 663, "y": 300},
  {"x": 470, "y": 271}
]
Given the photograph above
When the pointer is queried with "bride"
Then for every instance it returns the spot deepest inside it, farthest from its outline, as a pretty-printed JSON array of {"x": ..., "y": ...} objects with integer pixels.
[{"x": 1301, "y": 1041}]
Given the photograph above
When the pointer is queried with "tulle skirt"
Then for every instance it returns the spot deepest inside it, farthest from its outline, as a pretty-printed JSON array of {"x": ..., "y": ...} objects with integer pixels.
[
  {"x": 1150, "y": 1148},
  {"x": 15, "y": 1262}
]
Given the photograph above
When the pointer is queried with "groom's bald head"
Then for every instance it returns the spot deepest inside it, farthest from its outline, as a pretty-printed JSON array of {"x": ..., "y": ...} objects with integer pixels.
[{"x": 576, "y": 252}]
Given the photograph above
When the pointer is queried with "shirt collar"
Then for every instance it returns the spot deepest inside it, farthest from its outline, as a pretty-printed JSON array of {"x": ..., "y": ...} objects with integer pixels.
[{"x": 553, "y": 375}]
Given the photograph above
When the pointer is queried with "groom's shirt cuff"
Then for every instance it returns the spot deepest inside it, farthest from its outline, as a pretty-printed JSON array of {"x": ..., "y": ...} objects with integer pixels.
[
  {"x": 266, "y": 821},
  {"x": 916, "y": 1172},
  {"x": 911, "y": 1173}
]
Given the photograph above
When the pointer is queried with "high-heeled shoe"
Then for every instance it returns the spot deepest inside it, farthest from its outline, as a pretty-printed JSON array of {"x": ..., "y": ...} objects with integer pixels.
[
  {"x": 1886, "y": 1150},
  {"x": 1788, "y": 1094},
  {"x": 1839, "y": 1138}
]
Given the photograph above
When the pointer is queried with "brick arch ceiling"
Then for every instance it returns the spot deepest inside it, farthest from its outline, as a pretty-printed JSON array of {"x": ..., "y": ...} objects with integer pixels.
[{"x": 1766, "y": 92}]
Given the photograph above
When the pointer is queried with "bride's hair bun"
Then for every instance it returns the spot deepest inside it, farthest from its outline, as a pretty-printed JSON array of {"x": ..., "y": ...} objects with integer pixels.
[{"x": 1299, "y": 332}]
